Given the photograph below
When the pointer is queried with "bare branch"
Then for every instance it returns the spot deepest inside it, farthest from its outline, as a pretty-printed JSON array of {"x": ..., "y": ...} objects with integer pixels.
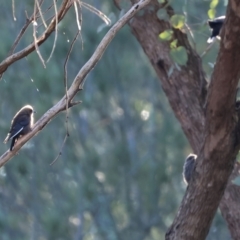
[
  {"x": 77, "y": 16},
  {"x": 66, "y": 92},
  {"x": 23, "y": 30},
  {"x": 78, "y": 81},
  {"x": 34, "y": 35},
  {"x": 31, "y": 47},
  {"x": 13, "y": 10},
  {"x": 56, "y": 30},
  {"x": 207, "y": 49},
  {"x": 60, "y": 152},
  {"x": 65, "y": 78},
  {"x": 41, "y": 14},
  {"x": 97, "y": 12}
]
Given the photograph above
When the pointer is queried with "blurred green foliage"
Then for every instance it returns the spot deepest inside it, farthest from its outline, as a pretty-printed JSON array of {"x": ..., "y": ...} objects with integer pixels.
[{"x": 119, "y": 175}]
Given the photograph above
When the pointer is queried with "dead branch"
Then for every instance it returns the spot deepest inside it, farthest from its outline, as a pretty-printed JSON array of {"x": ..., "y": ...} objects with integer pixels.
[
  {"x": 79, "y": 79},
  {"x": 40, "y": 40},
  {"x": 22, "y": 31}
]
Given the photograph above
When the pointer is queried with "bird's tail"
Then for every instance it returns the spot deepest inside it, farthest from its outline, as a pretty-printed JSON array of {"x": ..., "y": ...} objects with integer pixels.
[{"x": 12, "y": 143}]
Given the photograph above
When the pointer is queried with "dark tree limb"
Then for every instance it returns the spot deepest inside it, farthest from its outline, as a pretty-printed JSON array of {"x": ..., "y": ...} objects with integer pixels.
[
  {"x": 185, "y": 88},
  {"x": 229, "y": 205},
  {"x": 211, "y": 131}
]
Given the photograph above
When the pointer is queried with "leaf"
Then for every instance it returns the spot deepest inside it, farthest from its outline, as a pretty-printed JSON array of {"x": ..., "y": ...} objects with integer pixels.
[
  {"x": 178, "y": 21},
  {"x": 161, "y": 1},
  {"x": 166, "y": 35},
  {"x": 179, "y": 55},
  {"x": 213, "y": 4},
  {"x": 211, "y": 13},
  {"x": 173, "y": 44}
]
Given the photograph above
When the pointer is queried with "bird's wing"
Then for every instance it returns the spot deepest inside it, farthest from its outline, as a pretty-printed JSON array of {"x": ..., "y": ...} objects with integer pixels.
[
  {"x": 18, "y": 124},
  {"x": 22, "y": 120},
  {"x": 215, "y": 23},
  {"x": 15, "y": 134}
]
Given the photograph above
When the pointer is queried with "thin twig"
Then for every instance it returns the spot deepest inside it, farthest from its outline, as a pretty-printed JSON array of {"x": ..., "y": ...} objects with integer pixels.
[
  {"x": 13, "y": 11},
  {"x": 65, "y": 138},
  {"x": 77, "y": 17},
  {"x": 47, "y": 20},
  {"x": 191, "y": 34},
  {"x": 34, "y": 35},
  {"x": 81, "y": 19},
  {"x": 41, "y": 14},
  {"x": 65, "y": 67},
  {"x": 60, "y": 152},
  {"x": 56, "y": 30},
  {"x": 23, "y": 30},
  {"x": 97, "y": 12},
  {"x": 67, "y": 101},
  {"x": 207, "y": 49},
  {"x": 31, "y": 47},
  {"x": 66, "y": 78}
]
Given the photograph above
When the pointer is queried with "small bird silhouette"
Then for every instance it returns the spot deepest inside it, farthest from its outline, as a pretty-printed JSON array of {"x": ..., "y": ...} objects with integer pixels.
[
  {"x": 216, "y": 25},
  {"x": 21, "y": 124}
]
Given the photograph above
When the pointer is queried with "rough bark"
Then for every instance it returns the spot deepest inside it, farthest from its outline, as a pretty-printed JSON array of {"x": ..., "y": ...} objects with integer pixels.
[
  {"x": 229, "y": 205},
  {"x": 212, "y": 130},
  {"x": 185, "y": 89}
]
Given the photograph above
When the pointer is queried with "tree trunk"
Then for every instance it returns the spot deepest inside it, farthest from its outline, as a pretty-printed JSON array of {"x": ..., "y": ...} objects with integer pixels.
[
  {"x": 208, "y": 118},
  {"x": 229, "y": 205}
]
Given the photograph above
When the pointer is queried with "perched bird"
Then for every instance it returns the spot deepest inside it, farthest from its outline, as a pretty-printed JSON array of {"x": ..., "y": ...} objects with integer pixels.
[
  {"x": 216, "y": 25},
  {"x": 237, "y": 105},
  {"x": 188, "y": 167},
  {"x": 20, "y": 125}
]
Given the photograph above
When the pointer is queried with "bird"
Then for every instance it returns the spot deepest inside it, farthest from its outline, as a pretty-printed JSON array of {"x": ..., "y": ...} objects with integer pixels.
[
  {"x": 188, "y": 167},
  {"x": 216, "y": 25},
  {"x": 21, "y": 124}
]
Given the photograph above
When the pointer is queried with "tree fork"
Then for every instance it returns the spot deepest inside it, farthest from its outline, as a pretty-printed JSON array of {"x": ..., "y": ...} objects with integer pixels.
[{"x": 212, "y": 130}]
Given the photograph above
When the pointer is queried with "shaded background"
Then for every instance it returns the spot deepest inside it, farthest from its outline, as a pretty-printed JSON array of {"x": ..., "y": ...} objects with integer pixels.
[{"x": 120, "y": 173}]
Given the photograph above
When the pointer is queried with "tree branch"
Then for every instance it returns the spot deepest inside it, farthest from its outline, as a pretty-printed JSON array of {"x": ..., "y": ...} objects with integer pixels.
[
  {"x": 212, "y": 130},
  {"x": 22, "y": 31},
  {"x": 78, "y": 82},
  {"x": 216, "y": 160},
  {"x": 31, "y": 47}
]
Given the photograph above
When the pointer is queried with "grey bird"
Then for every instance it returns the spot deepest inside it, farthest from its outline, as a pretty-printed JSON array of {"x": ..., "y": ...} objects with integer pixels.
[
  {"x": 21, "y": 124},
  {"x": 188, "y": 167}
]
